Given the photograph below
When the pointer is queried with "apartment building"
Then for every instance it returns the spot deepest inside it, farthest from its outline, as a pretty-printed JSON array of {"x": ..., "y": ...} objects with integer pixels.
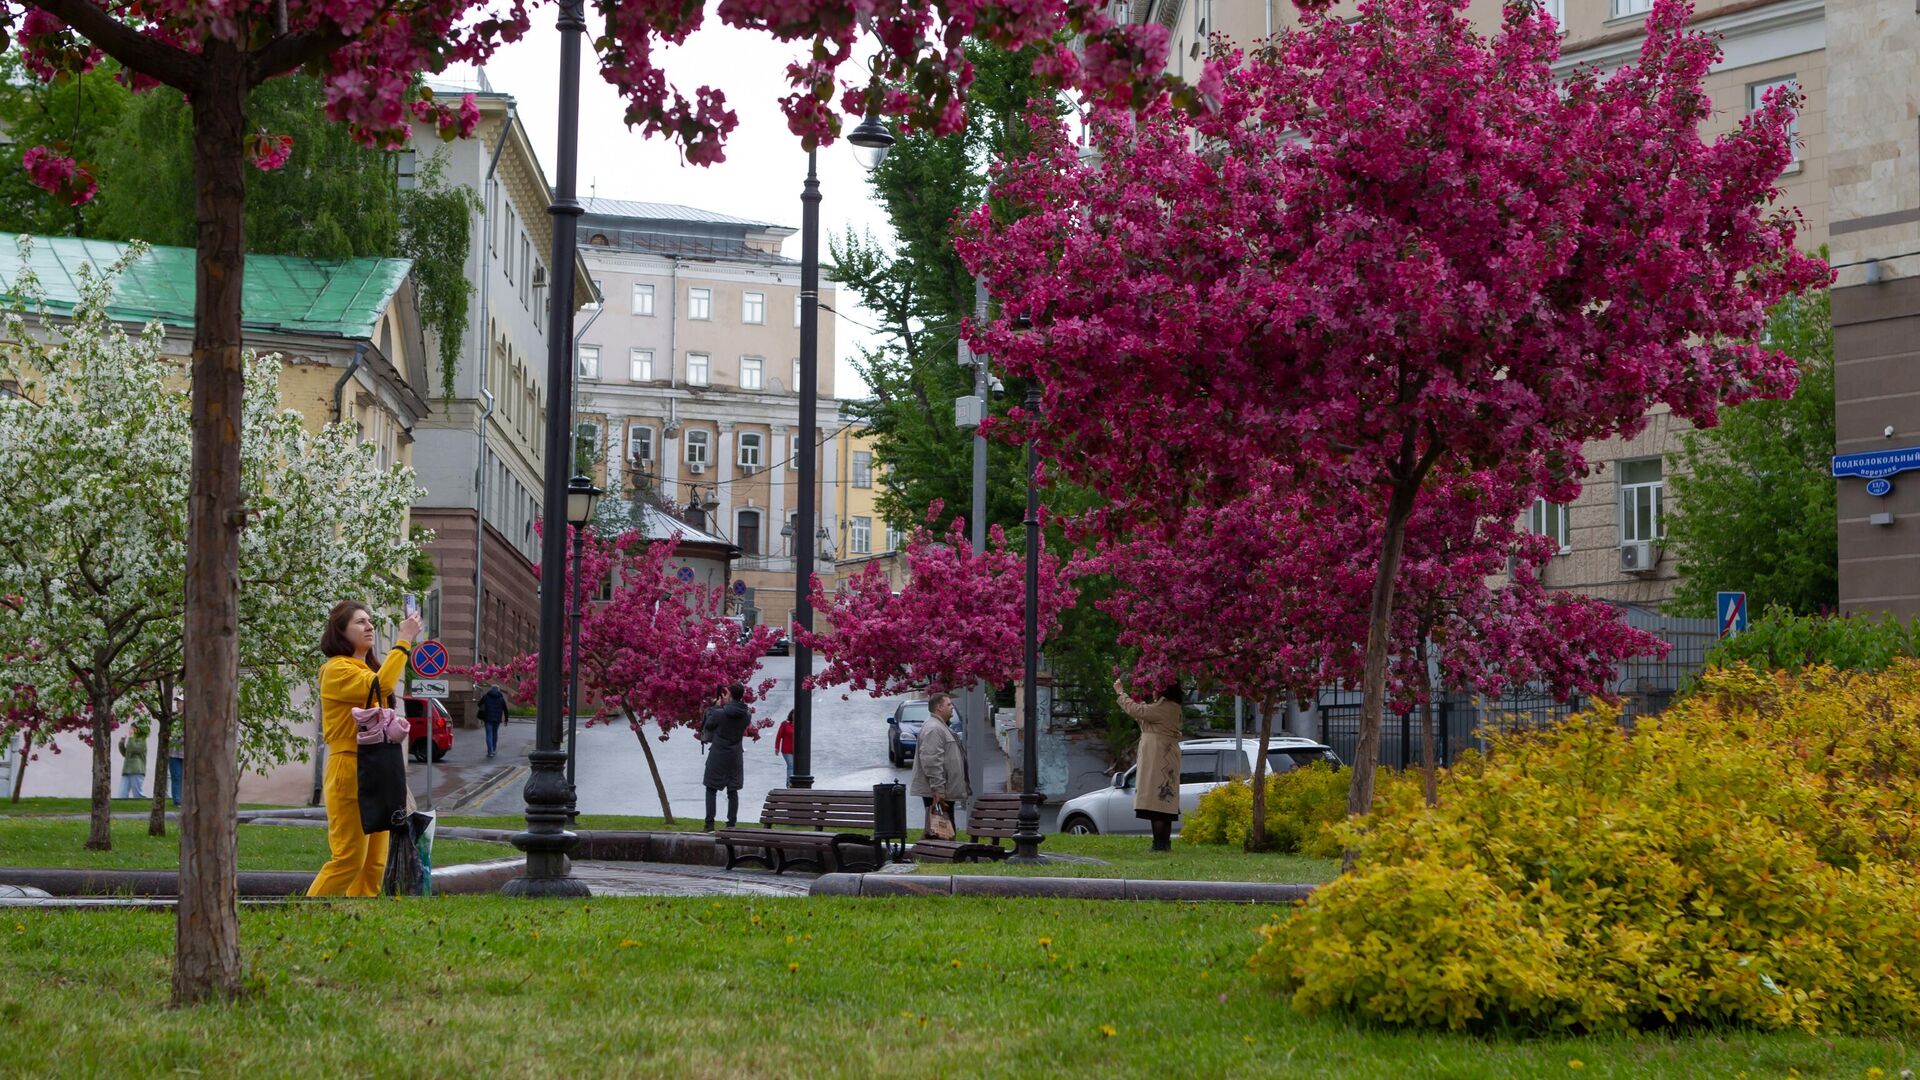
[
  {"x": 480, "y": 454},
  {"x": 1611, "y": 536},
  {"x": 689, "y": 384},
  {"x": 853, "y": 491}
]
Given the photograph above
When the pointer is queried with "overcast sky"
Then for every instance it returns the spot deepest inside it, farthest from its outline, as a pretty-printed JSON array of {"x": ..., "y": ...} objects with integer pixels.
[{"x": 765, "y": 166}]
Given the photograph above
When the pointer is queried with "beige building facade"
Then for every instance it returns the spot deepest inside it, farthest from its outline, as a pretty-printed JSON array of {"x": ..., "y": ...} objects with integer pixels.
[
  {"x": 689, "y": 385},
  {"x": 1611, "y": 536}
]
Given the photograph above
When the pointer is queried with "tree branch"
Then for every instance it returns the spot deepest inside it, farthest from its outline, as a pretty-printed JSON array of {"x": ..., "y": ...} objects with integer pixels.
[
  {"x": 135, "y": 51},
  {"x": 285, "y": 53}
]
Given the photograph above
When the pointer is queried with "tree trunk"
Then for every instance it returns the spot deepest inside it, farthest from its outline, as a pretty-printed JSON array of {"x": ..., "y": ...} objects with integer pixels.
[
  {"x": 20, "y": 767},
  {"x": 162, "y": 774},
  {"x": 207, "y": 948},
  {"x": 100, "y": 818},
  {"x": 1366, "y": 750},
  {"x": 1429, "y": 768},
  {"x": 1257, "y": 838},
  {"x": 666, "y": 811}
]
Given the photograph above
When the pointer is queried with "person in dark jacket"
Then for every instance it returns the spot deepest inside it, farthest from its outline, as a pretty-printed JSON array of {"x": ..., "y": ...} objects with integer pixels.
[
  {"x": 722, "y": 730},
  {"x": 493, "y": 712}
]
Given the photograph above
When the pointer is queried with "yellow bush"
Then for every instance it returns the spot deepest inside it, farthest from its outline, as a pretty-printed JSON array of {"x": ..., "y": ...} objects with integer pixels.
[
  {"x": 1303, "y": 806},
  {"x": 1748, "y": 857}
]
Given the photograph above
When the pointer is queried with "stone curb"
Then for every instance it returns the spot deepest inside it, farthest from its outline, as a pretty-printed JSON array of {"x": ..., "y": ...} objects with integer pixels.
[
  {"x": 465, "y": 878},
  {"x": 1059, "y": 888}
]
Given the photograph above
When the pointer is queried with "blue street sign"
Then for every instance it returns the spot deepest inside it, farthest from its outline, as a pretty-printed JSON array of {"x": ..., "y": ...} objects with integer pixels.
[
  {"x": 429, "y": 659},
  {"x": 1879, "y": 485},
  {"x": 686, "y": 573},
  {"x": 739, "y": 588},
  {"x": 1877, "y": 463},
  {"x": 1732, "y": 610}
]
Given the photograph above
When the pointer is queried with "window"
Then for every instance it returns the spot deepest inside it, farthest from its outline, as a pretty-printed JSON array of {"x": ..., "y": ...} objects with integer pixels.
[
  {"x": 746, "y": 532},
  {"x": 862, "y": 469},
  {"x": 796, "y": 309},
  {"x": 1624, "y": 8},
  {"x": 640, "y": 365},
  {"x": 1641, "y": 491},
  {"x": 586, "y": 447},
  {"x": 796, "y": 377},
  {"x": 589, "y": 361},
  {"x": 1757, "y": 94},
  {"x": 861, "y": 540},
  {"x": 793, "y": 451},
  {"x": 699, "y": 303},
  {"x": 1550, "y": 520},
  {"x": 643, "y": 299},
  {"x": 698, "y": 365},
  {"x": 1202, "y": 767},
  {"x": 753, "y": 307},
  {"x": 697, "y": 447},
  {"x": 1557, "y": 9},
  {"x": 640, "y": 442},
  {"x": 893, "y": 538},
  {"x": 750, "y": 372},
  {"x": 526, "y": 268},
  {"x": 750, "y": 442}
]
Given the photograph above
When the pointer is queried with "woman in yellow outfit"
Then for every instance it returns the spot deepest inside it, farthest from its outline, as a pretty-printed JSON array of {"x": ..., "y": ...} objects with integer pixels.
[{"x": 346, "y": 681}]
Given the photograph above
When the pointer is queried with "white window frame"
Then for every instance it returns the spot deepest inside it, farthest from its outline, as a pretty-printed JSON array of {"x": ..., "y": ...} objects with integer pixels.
[
  {"x": 753, "y": 308},
  {"x": 702, "y": 439},
  {"x": 1552, "y": 520},
  {"x": 1757, "y": 91},
  {"x": 1626, "y": 8},
  {"x": 759, "y": 529},
  {"x": 589, "y": 361},
  {"x": 1557, "y": 9},
  {"x": 860, "y": 462},
  {"x": 796, "y": 311},
  {"x": 749, "y": 452},
  {"x": 753, "y": 373},
  {"x": 893, "y": 538},
  {"x": 1641, "y": 503},
  {"x": 640, "y": 442},
  {"x": 699, "y": 369},
  {"x": 699, "y": 304},
  {"x": 795, "y": 388},
  {"x": 642, "y": 299},
  {"x": 640, "y": 365},
  {"x": 859, "y": 536}
]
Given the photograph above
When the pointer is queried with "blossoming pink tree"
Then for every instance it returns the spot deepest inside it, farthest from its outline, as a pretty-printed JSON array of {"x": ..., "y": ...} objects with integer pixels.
[
  {"x": 369, "y": 54},
  {"x": 959, "y": 620},
  {"x": 654, "y": 652},
  {"x": 1397, "y": 246}
]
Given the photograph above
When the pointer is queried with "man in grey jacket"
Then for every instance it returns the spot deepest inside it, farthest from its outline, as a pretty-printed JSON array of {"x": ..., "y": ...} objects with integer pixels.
[{"x": 940, "y": 762}]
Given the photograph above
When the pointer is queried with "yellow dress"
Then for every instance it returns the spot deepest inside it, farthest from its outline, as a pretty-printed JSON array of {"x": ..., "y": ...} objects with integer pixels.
[{"x": 359, "y": 859}]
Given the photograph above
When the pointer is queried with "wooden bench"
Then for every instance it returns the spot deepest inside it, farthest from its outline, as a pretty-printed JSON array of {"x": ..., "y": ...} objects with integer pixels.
[
  {"x": 993, "y": 817},
  {"x": 838, "y": 820}
]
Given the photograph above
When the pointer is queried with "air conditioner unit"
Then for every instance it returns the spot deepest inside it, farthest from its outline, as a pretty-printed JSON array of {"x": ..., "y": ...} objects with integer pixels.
[
  {"x": 1638, "y": 557},
  {"x": 748, "y": 470},
  {"x": 695, "y": 468}
]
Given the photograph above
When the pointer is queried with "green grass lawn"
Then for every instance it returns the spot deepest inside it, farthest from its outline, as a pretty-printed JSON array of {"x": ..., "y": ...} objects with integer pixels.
[
  {"x": 1130, "y": 857},
  {"x": 44, "y": 806},
  {"x": 59, "y": 842},
  {"x": 692, "y": 987}
]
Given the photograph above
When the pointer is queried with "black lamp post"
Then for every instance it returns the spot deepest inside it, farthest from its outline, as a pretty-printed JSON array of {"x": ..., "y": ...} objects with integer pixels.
[
  {"x": 546, "y": 839},
  {"x": 581, "y": 497},
  {"x": 1026, "y": 837}
]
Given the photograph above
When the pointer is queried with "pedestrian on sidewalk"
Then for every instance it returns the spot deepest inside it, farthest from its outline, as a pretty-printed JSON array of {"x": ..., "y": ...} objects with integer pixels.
[
  {"x": 783, "y": 743},
  {"x": 722, "y": 730},
  {"x": 177, "y": 745},
  {"x": 133, "y": 763},
  {"x": 1156, "y": 790},
  {"x": 939, "y": 761},
  {"x": 493, "y": 713},
  {"x": 347, "y": 682}
]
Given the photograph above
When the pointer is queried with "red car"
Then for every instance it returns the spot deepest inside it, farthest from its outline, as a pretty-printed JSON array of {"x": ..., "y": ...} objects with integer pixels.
[{"x": 418, "y": 709}]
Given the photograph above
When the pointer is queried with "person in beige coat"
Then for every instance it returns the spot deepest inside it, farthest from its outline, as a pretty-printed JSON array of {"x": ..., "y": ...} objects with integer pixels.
[
  {"x": 940, "y": 762},
  {"x": 1156, "y": 789}
]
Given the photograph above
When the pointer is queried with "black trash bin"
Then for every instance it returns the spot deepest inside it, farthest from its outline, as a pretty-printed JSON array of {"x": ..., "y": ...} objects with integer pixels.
[{"x": 890, "y": 815}]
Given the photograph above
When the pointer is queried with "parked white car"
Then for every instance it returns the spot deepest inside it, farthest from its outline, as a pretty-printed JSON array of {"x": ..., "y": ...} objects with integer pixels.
[{"x": 1205, "y": 764}]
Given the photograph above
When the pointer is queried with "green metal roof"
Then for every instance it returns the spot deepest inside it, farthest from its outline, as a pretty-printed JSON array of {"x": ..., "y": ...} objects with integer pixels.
[{"x": 313, "y": 296}]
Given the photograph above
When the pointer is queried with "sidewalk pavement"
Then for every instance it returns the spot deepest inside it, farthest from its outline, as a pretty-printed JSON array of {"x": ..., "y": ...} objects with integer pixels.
[{"x": 466, "y": 770}]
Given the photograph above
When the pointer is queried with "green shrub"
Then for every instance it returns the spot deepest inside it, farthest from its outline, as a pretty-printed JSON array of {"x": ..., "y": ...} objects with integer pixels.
[
  {"x": 1303, "y": 805},
  {"x": 1748, "y": 857},
  {"x": 1782, "y": 640}
]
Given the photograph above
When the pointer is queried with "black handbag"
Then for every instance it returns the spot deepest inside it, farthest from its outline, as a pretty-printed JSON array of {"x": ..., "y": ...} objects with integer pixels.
[{"x": 383, "y": 781}]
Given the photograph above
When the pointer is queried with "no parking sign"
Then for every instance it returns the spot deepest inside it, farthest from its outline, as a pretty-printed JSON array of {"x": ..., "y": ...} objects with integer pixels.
[{"x": 429, "y": 659}]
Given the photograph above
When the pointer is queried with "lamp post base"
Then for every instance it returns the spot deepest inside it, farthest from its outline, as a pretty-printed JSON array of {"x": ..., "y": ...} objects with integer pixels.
[
  {"x": 1027, "y": 838},
  {"x": 546, "y": 840}
]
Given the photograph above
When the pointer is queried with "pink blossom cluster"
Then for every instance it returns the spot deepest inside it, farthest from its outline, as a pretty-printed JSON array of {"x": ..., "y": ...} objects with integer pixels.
[
  {"x": 959, "y": 619},
  {"x": 656, "y": 651},
  {"x": 68, "y": 180},
  {"x": 269, "y": 152}
]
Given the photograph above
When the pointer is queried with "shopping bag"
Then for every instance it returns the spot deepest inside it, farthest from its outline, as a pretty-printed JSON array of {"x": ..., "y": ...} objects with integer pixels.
[
  {"x": 939, "y": 823},
  {"x": 410, "y": 857},
  {"x": 383, "y": 787}
]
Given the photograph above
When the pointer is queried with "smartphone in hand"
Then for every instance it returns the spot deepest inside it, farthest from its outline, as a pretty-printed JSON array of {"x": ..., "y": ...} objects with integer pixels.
[{"x": 411, "y": 604}]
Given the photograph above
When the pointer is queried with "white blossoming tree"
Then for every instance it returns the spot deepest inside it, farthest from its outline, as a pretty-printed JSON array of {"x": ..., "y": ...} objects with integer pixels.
[{"x": 93, "y": 538}]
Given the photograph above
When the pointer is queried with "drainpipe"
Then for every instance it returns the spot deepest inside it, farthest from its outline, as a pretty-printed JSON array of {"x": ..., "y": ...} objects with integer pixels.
[
  {"x": 340, "y": 385},
  {"x": 319, "y": 729},
  {"x": 484, "y": 330}
]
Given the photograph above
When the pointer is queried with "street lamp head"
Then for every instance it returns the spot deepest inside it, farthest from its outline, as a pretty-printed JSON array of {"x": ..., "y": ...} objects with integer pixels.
[
  {"x": 581, "y": 497},
  {"x": 786, "y": 531},
  {"x": 871, "y": 141}
]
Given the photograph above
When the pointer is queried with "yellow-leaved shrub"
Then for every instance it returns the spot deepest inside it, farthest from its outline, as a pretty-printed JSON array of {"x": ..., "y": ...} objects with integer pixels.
[
  {"x": 1747, "y": 857},
  {"x": 1303, "y": 806}
]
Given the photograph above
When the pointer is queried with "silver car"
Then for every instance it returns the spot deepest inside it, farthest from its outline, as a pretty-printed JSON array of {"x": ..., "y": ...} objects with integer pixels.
[{"x": 1205, "y": 764}]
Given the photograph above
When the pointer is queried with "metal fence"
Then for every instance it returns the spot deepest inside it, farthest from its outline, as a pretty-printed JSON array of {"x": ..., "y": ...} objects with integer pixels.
[{"x": 1644, "y": 685}]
